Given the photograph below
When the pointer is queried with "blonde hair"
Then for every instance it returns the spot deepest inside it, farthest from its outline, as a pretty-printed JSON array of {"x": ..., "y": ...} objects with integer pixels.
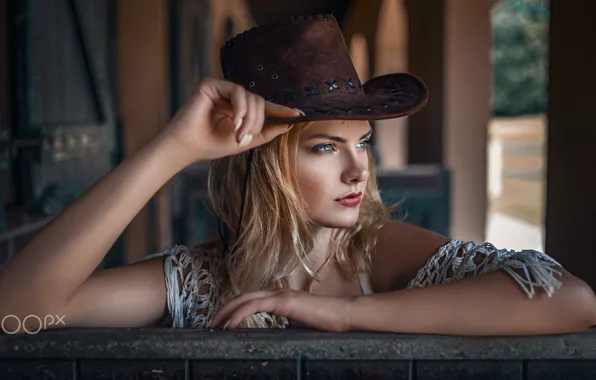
[{"x": 277, "y": 234}]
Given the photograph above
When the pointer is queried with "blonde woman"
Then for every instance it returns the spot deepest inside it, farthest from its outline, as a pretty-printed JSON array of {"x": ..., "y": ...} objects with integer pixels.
[{"x": 305, "y": 237}]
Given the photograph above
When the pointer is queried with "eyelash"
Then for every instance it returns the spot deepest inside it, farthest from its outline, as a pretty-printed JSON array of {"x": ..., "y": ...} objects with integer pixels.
[{"x": 319, "y": 148}]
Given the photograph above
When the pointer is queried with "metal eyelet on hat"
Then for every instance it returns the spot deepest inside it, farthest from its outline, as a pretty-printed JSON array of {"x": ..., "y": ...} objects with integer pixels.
[
  {"x": 252, "y": 83},
  {"x": 368, "y": 108},
  {"x": 260, "y": 67},
  {"x": 274, "y": 76}
]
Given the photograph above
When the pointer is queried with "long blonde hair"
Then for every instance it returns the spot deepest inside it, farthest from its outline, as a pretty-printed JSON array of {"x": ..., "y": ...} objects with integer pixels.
[{"x": 276, "y": 234}]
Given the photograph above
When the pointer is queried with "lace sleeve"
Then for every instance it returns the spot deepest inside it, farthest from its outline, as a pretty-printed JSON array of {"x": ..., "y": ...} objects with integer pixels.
[
  {"x": 192, "y": 290},
  {"x": 529, "y": 268}
]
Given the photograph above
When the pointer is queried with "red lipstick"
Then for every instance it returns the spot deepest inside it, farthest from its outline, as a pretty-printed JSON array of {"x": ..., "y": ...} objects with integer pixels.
[{"x": 351, "y": 199}]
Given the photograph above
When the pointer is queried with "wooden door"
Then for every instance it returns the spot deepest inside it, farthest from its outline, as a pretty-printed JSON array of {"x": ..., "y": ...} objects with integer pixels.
[{"x": 64, "y": 134}]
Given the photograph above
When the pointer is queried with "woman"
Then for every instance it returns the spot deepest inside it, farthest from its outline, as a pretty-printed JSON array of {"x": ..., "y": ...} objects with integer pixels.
[{"x": 305, "y": 237}]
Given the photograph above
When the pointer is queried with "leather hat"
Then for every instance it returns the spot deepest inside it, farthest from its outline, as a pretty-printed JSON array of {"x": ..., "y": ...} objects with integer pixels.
[{"x": 303, "y": 62}]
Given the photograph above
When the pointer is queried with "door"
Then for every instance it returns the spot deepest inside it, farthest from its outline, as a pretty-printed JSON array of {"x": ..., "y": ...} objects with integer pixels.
[{"x": 64, "y": 129}]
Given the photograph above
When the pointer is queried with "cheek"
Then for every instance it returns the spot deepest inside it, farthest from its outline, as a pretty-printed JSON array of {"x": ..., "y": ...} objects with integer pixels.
[{"x": 314, "y": 179}]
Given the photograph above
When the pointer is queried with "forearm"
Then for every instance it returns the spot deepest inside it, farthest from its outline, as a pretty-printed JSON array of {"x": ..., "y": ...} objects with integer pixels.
[
  {"x": 490, "y": 304},
  {"x": 48, "y": 271}
]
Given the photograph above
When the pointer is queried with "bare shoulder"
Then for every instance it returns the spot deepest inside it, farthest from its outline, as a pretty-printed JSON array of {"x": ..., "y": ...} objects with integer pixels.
[{"x": 401, "y": 250}]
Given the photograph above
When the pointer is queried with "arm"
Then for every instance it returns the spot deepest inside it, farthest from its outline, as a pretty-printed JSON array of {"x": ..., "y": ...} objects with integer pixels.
[
  {"x": 46, "y": 275},
  {"x": 488, "y": 304},
  {"x": 466, "y": 289},
  {"x": 426, "y": 283},
  {"x": 54, "y": 275}
]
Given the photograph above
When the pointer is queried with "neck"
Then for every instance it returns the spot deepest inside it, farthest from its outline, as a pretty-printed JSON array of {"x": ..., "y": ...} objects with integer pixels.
[
  {"x": 317, "y": 256},
  {"x": 321, "y": 249}
]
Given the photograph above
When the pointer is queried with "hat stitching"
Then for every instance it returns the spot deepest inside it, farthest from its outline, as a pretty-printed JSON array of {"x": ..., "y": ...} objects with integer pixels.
[
  {"x": 312, "y": 90},
  {"x": 332, "y": 85},
  {"x": 257, "y": 28}
]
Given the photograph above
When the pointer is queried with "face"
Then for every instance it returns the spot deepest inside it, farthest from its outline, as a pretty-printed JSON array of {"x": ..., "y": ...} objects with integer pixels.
[{"x": 331, "y": 165}]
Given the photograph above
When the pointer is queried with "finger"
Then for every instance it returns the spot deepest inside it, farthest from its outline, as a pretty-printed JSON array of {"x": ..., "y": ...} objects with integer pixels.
[
  {"x": 239, "y": 106},
  {"x": 223, "y": 313},
  {"x": 221, "y": 89},
  {"x": 273, "y": 110},
  {"x": 261, "y": 116},
  {"x": 245, "y": 134},
  {"x": 249, "y": 308},
  {"x": 257, "y": 109},
  {"x": 268, "y": 133}
]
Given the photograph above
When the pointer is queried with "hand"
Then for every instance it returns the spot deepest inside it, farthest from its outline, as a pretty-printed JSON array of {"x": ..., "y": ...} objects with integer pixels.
[
  {"x": 321, "y": 312},
  {"x": 221, "y": 118}
]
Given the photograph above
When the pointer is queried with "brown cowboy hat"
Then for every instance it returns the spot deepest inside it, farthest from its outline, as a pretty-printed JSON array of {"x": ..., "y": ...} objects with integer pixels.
[{"x": 303, "y": 63}]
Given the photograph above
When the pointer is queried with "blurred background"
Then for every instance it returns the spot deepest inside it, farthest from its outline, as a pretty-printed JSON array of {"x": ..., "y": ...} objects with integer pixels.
[{"x": 501, "y": 153}]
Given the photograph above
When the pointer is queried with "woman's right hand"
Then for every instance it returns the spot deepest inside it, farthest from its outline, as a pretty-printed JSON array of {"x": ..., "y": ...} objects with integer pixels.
[{"x": 221, "y": 118}]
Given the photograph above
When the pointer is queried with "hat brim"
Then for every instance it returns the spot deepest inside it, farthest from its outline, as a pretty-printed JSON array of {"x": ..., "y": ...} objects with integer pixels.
[{"x": 387, "y": 97}]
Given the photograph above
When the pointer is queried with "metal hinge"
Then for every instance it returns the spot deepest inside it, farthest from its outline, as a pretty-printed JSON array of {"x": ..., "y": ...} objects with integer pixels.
[{"x": 55, "y": 145}]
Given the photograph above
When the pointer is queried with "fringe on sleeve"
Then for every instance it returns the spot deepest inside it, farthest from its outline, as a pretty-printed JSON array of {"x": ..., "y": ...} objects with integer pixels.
[
  {"x": 192, "y": 292},
  {"x": 531, "y": 269}
]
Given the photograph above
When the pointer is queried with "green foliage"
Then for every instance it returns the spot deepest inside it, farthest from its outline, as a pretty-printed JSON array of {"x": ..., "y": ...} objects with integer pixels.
[{"x": 520, "y": 57}]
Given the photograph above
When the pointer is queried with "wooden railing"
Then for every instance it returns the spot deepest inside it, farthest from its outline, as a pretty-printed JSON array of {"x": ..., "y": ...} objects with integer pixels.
[{"x": 290, "y": 354}]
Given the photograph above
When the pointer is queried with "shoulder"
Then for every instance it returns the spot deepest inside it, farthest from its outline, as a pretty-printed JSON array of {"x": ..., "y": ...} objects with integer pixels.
[
  {"x": 412, "y": 257},
  {"x": 401, "y": 250},
  {"x": 192, "y": 283}
]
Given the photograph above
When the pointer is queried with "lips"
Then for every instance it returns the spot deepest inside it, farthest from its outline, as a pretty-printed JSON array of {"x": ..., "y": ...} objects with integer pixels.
[
  {"x": 351, "y": 199},
  {"x": 353, "y": 194}
]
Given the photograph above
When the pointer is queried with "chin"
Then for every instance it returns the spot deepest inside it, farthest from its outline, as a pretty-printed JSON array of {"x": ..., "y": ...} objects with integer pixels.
[{"x": 349, "y": 219}]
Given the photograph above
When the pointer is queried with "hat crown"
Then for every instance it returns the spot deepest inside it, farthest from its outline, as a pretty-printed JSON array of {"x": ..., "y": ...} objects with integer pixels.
[{"x": 292, "y": 61}]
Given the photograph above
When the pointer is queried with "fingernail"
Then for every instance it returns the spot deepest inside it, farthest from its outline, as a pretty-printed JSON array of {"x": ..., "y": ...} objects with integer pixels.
[
  {"x": 246, "y": 139},
  {"x": 227, "y": 323},
  {"x": 238, "y": 124},
  {"x": 300, "y": 112}
]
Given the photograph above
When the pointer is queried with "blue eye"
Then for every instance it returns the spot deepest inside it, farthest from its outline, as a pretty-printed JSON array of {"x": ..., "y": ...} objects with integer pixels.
[
  {"x": 323, "y": 148},
  {"x": 364, "y": 144},
  {"x": 329, "y": 148}
]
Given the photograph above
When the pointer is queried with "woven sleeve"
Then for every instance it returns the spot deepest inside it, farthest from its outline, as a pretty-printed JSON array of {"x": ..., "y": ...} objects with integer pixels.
[
  {"x": 192, "y": 289},
  {"x": 457, "y": 259}
]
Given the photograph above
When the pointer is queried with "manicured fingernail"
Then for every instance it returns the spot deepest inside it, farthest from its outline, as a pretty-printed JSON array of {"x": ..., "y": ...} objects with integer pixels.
[
  {"x": 300, "y": 112},
  {"x": 238, "y": 124},
  {"x": 246, "y": 139},
  {"x": 227, "y": 323}
]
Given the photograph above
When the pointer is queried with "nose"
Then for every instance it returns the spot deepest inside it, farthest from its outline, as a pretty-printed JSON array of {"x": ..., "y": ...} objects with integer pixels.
[{"x": 356, "y": 170}]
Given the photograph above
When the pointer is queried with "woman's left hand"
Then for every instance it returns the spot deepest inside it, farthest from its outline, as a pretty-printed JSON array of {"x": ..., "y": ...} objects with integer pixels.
[{"x": 321, "y": 312}]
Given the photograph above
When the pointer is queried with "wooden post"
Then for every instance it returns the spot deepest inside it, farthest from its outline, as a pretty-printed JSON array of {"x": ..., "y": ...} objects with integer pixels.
[
  {"x": 426, "y": 35},
  {"x": 144, "y": 97},
  {"x": 571, "y": 169}
]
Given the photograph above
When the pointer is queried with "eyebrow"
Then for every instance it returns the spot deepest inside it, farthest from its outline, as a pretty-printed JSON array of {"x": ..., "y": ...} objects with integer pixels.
[{"x": 336, "y": 138}]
